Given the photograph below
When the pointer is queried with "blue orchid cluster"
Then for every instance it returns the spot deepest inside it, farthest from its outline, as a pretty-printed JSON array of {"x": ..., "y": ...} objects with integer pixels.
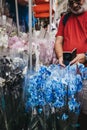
[{"x": 56, "y": 86}]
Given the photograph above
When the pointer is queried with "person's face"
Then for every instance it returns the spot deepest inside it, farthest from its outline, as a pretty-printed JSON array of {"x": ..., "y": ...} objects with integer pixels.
[{"x": 76, "y": 6}]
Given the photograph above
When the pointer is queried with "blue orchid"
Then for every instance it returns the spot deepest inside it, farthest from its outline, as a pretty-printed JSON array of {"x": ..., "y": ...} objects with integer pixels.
[{"x": 56, "y": 86}]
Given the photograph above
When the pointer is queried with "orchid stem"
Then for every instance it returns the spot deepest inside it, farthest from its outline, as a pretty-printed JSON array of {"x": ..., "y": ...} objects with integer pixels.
[
  {"x": 6, "y": 124},
  {"x": 5, "y": 119}
]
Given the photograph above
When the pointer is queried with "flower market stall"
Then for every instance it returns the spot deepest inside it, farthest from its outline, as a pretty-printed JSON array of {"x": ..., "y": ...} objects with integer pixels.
[{"x": 35, "y": 91}]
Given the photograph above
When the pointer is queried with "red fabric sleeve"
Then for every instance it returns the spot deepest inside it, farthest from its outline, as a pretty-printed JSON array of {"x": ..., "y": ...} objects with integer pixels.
[{"x": 60, "y": 29}]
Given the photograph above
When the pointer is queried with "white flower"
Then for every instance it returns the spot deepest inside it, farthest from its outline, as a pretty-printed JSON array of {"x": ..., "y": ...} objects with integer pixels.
[{"x": 2, "y": 82}]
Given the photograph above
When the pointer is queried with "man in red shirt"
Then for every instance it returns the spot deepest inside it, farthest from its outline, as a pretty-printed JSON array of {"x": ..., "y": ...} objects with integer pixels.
[{"x": 74, "y": 33}]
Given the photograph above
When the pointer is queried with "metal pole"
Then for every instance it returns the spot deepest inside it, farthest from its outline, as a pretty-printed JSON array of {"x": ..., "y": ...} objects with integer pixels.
[
  {"x": 1, "y": 4},
  {"x": 17, "y": 17},
  {"x": 30, "y": 35},
  {"x": 50, "y": 13}
]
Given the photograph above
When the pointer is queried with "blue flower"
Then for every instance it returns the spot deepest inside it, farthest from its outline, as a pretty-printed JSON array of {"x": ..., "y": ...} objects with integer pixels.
[{"x": 57, "y": 87}]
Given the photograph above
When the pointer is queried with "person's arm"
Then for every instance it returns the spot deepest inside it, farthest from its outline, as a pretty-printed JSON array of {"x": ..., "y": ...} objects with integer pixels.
[
  {"x": 59, "y": 50},
  {"x": 59, "y": 42}
]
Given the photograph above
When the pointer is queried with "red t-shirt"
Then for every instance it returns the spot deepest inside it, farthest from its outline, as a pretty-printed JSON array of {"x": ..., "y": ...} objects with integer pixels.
[{"x": 74, "y": 33}]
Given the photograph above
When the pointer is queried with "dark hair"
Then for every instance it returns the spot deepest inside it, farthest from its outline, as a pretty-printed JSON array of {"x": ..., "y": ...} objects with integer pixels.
[
  {"x": 72, "y": 1},
  {"x": 46, "y": 22}
]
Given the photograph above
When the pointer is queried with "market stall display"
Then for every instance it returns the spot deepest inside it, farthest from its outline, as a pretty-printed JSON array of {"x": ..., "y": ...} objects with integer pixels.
[{"x": 49, "y": 97}]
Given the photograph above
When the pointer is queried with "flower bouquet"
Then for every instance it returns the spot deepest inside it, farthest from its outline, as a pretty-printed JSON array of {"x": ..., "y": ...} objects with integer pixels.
[
  {"x": 52, "y": 96},
  {"x": 12, "y": 110}
]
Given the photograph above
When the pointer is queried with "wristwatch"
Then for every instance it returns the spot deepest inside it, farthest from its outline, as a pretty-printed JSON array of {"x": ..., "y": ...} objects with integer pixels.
[{"x": 86, "y": 57}]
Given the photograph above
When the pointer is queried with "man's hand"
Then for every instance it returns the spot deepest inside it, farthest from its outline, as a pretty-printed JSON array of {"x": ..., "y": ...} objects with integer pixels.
[
  {"x": 79, "y": 58},
  {"x": 61, "y": 61}
]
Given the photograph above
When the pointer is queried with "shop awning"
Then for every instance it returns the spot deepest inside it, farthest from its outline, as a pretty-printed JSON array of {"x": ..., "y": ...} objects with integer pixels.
[
  {"x": 41, "y": 1},
  {"x": 41, "y": 15},
  {"x": 42, "y": 9}
]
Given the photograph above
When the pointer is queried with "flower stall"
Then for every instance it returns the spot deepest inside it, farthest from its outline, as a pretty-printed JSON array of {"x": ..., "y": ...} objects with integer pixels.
[{"x": 35, "y": 91}]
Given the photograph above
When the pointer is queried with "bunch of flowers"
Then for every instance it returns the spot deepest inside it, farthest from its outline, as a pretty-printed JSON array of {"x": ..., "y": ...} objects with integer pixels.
[
  {"x": 11, "y": 90},
  {"x": 55, "y": 89},
  {"x": 3, "y": 38}
]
